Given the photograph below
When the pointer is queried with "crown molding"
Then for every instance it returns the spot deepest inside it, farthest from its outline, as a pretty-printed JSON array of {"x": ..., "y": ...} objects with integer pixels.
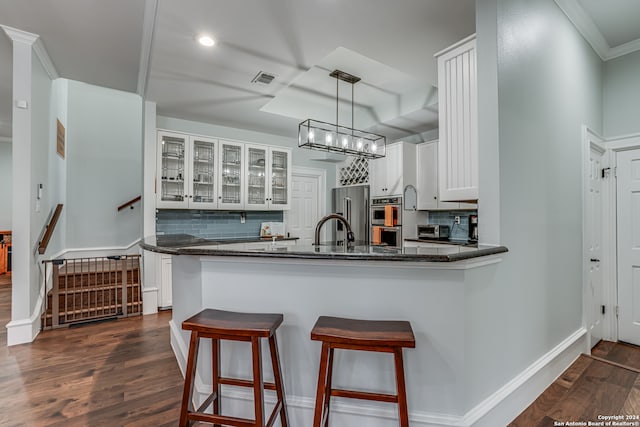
[
  {"x": 148, "y": 29},
  {"x": 589, "y": 30},
  {"x": 45, "y": 59},
  {"x": 623, "y": 49},
  {"x": 34, "y": 40},
  {"x": 585, "y": 25},
  {"x": 20, "y": 36}
]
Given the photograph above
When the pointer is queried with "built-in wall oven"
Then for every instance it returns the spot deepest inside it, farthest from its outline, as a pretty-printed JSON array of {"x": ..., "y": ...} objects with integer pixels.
[{"x": 386, "y": 221}]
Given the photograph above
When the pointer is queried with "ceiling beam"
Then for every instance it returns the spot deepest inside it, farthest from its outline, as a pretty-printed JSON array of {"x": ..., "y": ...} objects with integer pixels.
[{"x": 148, "y": 29}]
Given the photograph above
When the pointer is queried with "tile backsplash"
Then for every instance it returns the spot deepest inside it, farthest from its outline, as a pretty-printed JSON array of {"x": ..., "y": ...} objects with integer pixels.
[
  {"x": 213, "y": 224},
  {"x": 458, "y": 231}
]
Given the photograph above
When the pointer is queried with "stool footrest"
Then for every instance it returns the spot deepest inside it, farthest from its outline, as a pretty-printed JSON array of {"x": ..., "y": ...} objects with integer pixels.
[
  {"x": 353, "y": 394},
  {"x": 213, "y": 396},
  {"x": 240, "y": 422},
  {"x": 244, "y": 383}
]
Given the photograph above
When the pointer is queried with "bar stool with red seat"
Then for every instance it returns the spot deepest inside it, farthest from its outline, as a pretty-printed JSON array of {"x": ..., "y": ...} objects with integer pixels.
[
  {"x": 226, "y": 325},
  {"x": 388, "y": 336}
]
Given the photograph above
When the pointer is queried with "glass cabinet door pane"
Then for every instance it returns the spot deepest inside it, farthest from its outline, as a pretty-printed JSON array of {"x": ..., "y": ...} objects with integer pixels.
[
  {"x": 279, "y": 174},
  {"x": 257, "y": 167},
  {"x": 204, "y": 158},
  {"x": 231, "y": 173},
  {"x": 173, "y": 163}
]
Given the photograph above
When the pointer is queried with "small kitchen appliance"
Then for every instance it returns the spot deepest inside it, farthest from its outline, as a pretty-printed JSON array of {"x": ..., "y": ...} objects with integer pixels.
[
  {"x": 473, "y": 228},
  {"x": 434, "y": 232}
]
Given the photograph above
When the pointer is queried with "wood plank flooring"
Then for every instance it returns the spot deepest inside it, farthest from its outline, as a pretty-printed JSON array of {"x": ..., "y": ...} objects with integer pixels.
[
  {"x": 606, "y": 384},
  {"x": 123, "y": 373},
  {"x": 116, "y": 373}
]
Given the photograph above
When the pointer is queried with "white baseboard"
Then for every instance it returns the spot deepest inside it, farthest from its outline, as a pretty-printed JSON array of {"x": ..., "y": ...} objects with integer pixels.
[
  {"x": 25, "y": 330},
  {"x": 511, "y": 399},
  {"x": 498, "y": 409}
]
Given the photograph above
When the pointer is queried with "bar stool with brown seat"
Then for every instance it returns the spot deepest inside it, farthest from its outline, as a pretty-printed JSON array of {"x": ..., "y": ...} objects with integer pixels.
[
  {"x": 388, "y": 336},
  {"x": 225, "y": 325}
]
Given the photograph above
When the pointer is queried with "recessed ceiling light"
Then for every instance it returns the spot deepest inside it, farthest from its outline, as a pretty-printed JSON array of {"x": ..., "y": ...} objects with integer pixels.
[{"x": 205, "y": 40}]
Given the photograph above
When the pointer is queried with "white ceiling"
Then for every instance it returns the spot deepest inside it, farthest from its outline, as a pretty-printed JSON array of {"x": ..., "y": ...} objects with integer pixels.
[{"x": 148, "y": 46}]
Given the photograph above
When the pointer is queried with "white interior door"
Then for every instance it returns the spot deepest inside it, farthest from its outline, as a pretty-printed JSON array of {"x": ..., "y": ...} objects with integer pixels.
[
  {"x": 306, "y": 209},
  {"x": 594, "y": 296},
  {"x": 628, "y": 207}
]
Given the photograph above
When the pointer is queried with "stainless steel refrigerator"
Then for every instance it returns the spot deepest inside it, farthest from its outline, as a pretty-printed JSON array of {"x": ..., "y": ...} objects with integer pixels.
[{"x": 353, "y": 204}]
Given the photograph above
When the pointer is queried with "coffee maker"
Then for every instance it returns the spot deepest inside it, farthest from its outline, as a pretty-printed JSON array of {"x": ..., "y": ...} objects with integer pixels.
[{"x": 473, "y": 228}]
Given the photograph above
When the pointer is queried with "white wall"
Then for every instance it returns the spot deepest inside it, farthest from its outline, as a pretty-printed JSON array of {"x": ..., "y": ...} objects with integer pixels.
[
  {"x": 549, "y": 84},
  {"x": 622, "y": 95},
  {"x": 104, "y": 166},
  {"x": 6, "y": 183}
]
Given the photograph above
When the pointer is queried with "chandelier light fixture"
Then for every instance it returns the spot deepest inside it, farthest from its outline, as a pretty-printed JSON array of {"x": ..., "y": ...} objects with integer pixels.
[{"x": 333, "y": 137}]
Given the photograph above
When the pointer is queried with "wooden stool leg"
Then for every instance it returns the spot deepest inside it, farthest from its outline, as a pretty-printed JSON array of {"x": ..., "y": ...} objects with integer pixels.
[
  {"x": 189, "y": 377},
  {"x": 327, "y": 392},
  {"x": 402, "y": 392},
  {"x": 322, "y": 384},
  {"x": 215, "y": 373},
  {"x": 258, "y": 385},
  {"x": 277, "y": 375}
]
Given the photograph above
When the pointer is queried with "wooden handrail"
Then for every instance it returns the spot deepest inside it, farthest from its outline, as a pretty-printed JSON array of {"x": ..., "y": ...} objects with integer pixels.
[
  {"x": 129, "y": 203},
  {"x": 42, "y": 246}
]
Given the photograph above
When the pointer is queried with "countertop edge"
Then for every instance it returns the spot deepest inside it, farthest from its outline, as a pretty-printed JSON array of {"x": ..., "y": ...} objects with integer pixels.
[{"x": 414, "y": 258}]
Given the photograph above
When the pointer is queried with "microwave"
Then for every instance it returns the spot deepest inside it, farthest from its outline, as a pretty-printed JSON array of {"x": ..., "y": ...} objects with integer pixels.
[
  {"x": 434, "y": 231},
  {"x": 386, "y": 211}
]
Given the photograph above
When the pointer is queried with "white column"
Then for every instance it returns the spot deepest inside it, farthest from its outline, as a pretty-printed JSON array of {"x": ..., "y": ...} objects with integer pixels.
[
  {"x": 19, "y": 330},
  {"x": 151, "y": 259}
]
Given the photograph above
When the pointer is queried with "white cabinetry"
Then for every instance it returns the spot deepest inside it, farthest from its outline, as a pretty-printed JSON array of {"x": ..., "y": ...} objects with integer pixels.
[
  {"x": 389, "y": 175},
  {"x": 196, "y": 172},
  {"x": 231, "y": 189},
  {"x": 458, "y": 122},
  {"x": 165, "y": 299},
  {"x": 427, "y": 180},
  {"x": 268, "y": 178},
  {"x": 187, "y": 170}
]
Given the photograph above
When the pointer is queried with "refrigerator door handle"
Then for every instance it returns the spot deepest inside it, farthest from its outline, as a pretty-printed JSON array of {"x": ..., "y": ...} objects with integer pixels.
[{"x": 347, "y": 209}]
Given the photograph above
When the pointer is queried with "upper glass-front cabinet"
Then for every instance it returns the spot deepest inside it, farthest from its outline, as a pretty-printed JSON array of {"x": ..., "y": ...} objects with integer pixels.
[
  {"x": 230, "y": 190},
  {"x": 280, "y": 178},
  {"x": 268, "y": 178},
  {"x": 204, "y": 158},
  {"x": 202, "y": 173},
  {"x": 172, "y": 151},
  {"x": 187, "y": 168}
]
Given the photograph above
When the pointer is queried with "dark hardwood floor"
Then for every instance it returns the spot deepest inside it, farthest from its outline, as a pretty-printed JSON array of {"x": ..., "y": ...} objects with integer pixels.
[
  {"x": 606, "y": 384},
  {"x": 116, "y": 373},
  {"x": 123, "y": 373}
]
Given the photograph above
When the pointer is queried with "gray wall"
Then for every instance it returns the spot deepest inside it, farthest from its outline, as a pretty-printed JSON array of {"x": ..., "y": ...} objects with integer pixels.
[
  {"x": 622, "y": 95},
  {"x": 104, "y": 166},
  {"x": 549, "y": 84},
  {"x": 6, "y": 182}
]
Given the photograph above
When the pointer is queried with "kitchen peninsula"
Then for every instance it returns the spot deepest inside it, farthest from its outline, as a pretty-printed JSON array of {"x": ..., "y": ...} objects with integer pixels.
[{"x": 426, "y": 286}]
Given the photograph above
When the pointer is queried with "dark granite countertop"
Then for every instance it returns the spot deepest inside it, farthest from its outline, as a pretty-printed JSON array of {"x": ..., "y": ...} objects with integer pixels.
[{"x": 190, "y": 245}]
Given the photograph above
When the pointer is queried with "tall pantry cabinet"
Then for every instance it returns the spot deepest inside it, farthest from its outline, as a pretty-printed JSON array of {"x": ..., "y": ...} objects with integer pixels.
[{"x": 458, "y": 122}]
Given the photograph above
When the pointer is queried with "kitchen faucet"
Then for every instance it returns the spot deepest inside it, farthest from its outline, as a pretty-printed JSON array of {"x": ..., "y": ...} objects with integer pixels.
[{"x": 343, "y": 220}]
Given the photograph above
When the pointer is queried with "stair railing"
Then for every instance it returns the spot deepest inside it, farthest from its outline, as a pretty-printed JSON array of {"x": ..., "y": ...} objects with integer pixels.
[{"x": 49, "y": 228}]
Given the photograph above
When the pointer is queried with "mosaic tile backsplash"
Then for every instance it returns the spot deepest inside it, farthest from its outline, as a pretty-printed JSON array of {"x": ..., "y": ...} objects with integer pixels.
[
  {"x": 213, "y": 224},
  {"x": 458, "y": 231}
]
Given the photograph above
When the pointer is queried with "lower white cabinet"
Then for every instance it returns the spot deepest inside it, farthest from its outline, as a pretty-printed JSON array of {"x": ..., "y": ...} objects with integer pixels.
[
  {"x": 165, "y": 294},
  {"x": 427, "y": 180}
]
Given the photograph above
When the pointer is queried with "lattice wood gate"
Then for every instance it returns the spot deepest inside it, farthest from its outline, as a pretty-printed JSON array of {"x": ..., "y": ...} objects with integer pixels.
[{"x": 89, "y": 289}]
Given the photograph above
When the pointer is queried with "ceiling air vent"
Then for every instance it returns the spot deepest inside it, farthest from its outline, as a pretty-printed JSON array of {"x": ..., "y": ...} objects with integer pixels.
[{"x": 263, "y": 78}]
